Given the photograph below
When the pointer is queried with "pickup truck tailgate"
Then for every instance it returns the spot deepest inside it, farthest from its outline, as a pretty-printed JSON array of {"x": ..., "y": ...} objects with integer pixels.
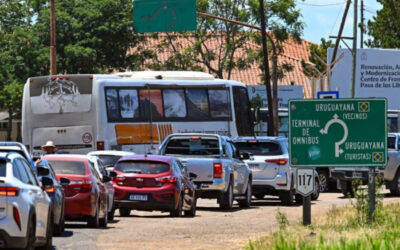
[{"x": 203, "y": 168}]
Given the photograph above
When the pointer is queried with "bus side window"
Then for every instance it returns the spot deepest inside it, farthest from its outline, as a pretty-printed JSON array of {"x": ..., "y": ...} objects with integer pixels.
[{"x": 151, "y": 99}]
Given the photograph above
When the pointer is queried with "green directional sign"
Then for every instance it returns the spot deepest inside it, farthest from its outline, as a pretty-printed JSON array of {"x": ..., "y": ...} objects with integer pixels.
[
  {"x": 164, "y": 15},
  {"x": 339, "y": 132}
]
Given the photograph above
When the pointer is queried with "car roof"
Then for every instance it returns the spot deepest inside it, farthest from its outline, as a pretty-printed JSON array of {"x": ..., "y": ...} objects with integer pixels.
[
  {"x": 111, "y": 152},
  {"x": 160, "y": 158},
  {"x": 65, "y": 157},
  {"x": 260, "y": 138}
]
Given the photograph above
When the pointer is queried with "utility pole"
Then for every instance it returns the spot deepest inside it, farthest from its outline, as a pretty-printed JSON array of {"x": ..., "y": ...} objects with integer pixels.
[
  {"x": 53, "y": 62},
  {"x": 339, "y": 37},
  {"x": 354, "y": 50},
  {"x": 362, "y": 25},
  {"x": 267, "y": 76}
]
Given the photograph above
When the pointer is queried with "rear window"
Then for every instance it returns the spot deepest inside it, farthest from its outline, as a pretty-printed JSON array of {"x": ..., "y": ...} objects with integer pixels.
[
  {"x": 142, "y": 167},
  {"x": 391, "y": 140},
  {"x": 260, "y": 148},
  {"x": 3, "y": 168},
  {"x": 190, "y": 146},
  {"x": 68, "y": 167},
  {"x": 109, "y": 160}
]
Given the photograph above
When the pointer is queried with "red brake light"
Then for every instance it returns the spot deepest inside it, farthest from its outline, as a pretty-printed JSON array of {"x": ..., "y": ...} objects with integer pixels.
[
  {"x": 17, "y": 217},
  {"x": 217, "y": 170},
  {"x": 281, "y": 161},
  {"x": 166, "y": 179},
  {"x": 81, "y": 186},
  {"x": 9, "y": 191},
  {"x": 100, "y": 145},
  {"x": 50, "y": 190},
  {"x": 195, "y": 138},
  {"x": 120, "y": 179},
  {"x": 252, "y": 141}
]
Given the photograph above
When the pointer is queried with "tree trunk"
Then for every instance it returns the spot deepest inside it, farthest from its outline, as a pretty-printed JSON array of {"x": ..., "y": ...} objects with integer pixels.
[
  {"x": 9, "y": 128},
  {"x": 275, "y": 93}
]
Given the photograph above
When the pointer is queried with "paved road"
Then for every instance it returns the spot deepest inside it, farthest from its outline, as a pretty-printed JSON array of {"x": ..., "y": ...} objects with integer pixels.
[{"x": 210, "y": 229}]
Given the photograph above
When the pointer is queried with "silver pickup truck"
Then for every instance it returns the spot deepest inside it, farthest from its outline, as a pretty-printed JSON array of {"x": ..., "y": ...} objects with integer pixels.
[
  {"x": 392, "y": 172},
  {"x": 221, "y": 173}
]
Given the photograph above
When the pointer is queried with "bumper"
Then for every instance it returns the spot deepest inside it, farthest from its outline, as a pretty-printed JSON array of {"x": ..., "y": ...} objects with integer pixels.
[
  {"x": 350, "y": 175},
  {"x": 83, "y": 204},
  {"x": 161, "y": 199},
  {"x": 6, "y": 241}
]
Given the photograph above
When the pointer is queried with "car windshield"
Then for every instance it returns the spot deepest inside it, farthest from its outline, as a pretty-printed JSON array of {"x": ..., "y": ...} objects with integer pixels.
[
  {"x": 109, "y": 160},
  {"x": 68, "y": 167},
  {"x": 260, "y": 148},
  {"x": 192, "y": 146},
  {"x": 142, "y": 167}
]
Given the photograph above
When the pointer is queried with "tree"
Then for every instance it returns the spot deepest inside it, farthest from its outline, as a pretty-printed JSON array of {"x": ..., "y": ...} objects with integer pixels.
[
  {"x": 283, "y": 22},
  {"x": 320, "y": 51},
  {"x": 93, "y": 36},
  {"x": 11, "y": 100},
  {"x": 384, "y": 28},
  {"x": 197, "y": 50}
]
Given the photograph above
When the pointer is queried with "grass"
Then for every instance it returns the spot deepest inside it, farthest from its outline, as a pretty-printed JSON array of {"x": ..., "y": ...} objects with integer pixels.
[{"x": 341, "y": 228}]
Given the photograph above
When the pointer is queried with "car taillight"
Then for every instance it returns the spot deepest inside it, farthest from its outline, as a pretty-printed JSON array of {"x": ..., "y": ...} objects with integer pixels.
[
  {"x": 81, "y": 186},
  {"x": 100, "y": 145},
  {"x": 217, "y": 170},
  {"x": 281, "y": 161},
  {"x": 9, "y": 191},
  {"x": 50, "y": 190},
  {"x": 166, "y": 179},
  {"x": 17, "y": 218}
]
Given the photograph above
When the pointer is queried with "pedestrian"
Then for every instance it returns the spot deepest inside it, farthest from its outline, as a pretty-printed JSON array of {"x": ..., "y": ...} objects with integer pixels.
[{"x": 49, "y": 148}]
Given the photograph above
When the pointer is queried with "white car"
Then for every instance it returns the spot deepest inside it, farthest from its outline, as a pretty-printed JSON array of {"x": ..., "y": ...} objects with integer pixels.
[
  {"x": 110, "y": 157},
  {"x": 25, "y": 208},
  {"x": 272, "y": 174}
]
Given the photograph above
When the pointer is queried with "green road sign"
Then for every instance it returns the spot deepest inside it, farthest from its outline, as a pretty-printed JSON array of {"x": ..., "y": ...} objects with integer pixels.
[
  {"x": 164, "y": 15},
  {"x": 340, "y": 132}
]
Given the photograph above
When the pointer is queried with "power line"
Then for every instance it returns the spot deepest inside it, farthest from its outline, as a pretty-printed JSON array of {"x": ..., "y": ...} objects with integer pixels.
[
  {"x": 337, "y": 17},
  {"x": 320, "y": 5}
]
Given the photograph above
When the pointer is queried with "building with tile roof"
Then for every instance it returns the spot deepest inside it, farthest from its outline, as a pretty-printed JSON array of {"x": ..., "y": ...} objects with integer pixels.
[{"x": 293, "y": 53}]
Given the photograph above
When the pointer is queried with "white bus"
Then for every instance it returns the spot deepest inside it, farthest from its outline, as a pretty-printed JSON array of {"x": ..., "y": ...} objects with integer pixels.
[{"x": 132, "y": 111}]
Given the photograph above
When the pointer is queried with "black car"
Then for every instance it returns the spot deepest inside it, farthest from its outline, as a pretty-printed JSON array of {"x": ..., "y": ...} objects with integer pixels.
[{"x": 56, "y": 194}]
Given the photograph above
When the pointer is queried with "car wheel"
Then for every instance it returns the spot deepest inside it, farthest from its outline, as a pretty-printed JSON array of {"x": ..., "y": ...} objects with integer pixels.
[
  {"x": 177, "y": 212},
  {"x": 31, "y": 235},
  {"x": 124, "y": 212},
  {"x": 94, "y": 221},
  {"x": 396, "y": 185},
  {"x": 347, "y": 188},
  {"x": 299, "y": 199},
  {"x": 315, "y": 194},
  {"x": 226, "y": 199},
  {"x": 246, "y": 202},
  {"x": 111, "y": 214},
  {"x": 59, "y": 229},
  {"x": 286, "y": 197},
  {"x": 323, "y": 180},
  {"x": 192, "y": 211},
  {"x": 104, "y": 221},
  {"x": 49, "y": 234}
]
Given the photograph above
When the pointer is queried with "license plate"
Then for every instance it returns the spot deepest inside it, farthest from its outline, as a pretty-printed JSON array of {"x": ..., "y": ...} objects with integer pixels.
[
  {"x": 254, "y": 167},
  {"x": 138, "y": 197}
]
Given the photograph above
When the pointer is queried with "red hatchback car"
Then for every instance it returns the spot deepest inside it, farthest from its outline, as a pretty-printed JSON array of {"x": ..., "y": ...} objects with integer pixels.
[
  {"x": 153, "y": 182},
  {"x": 85, "y": 196}
]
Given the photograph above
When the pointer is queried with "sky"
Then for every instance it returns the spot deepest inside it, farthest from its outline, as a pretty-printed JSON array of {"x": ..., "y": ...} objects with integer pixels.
[{"x": 322, "y": 18}]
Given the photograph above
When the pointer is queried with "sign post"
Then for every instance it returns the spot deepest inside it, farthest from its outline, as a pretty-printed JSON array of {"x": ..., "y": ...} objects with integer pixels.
[
  {"x": 339, "y": 133},
  {"x": 305, "y": 185}
]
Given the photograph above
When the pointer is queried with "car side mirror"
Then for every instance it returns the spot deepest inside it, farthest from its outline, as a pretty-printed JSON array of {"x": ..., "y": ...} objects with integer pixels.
[
  {"x": 42, "y": 171},
  {"x": 245, "y": 156},
  {"x": 64, "y": 181},
  {"x": 112, "y": 174},
  {"x": 106, "y": 178},
  {"x": 46, "y": 182},
  {"x": 192, "y": 176}
]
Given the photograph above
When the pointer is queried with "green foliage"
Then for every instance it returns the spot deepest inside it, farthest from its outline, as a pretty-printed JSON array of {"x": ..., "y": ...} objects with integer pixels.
[
  {"x": 281, "y": 219},
  {"x": 384, "y": 28},
  {"x": 320, "y": 51},
  {"x": 93, "y": 36}
]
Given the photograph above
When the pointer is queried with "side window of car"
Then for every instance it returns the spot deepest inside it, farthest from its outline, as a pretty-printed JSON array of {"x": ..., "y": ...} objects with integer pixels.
[
  {"x": 29, "y": 171},
  {"x": 177, "y": 168},
  {"x": 24, "y": 176},
  {"x": 102, "y": 169},
  {"x": 228, "y": 149},
  {"x": 93, "y": 170},
  {"x": 16, "y": 171},
  {"x": 183, "y": 169},
  {"x": 235, "y": 151}
]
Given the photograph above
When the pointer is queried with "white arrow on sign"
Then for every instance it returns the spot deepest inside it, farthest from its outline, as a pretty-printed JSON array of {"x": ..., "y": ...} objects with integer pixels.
[{"x": 338, "y": 150}]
